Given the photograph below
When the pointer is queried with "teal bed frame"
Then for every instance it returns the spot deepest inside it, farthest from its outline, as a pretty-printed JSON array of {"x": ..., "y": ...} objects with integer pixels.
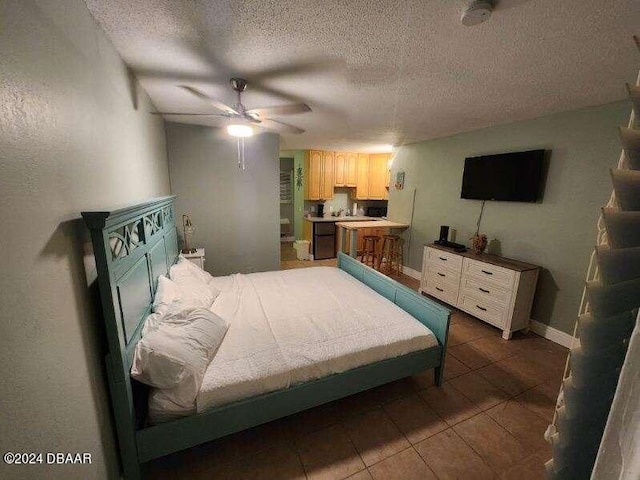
[{"x": 133, "y": 246}]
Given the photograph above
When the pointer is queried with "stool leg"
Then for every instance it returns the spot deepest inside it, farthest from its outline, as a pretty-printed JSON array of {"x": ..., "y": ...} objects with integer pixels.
[
  {"x": 381, "y": 257},
  {"x": 374, "y": 254}
]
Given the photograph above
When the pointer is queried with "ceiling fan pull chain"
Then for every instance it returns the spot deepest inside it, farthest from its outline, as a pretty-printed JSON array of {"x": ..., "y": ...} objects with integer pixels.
[
  {"x": 241, "y": 163},
  {"x": 244, "y": 165}
]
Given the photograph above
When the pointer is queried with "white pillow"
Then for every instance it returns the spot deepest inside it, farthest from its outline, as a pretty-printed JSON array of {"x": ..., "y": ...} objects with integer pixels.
[
  {"x": 194, "y": 279},
  {"x": 188, "y": 292},
  {"x": 184, "y": 270},
  {"x": 175, "y": 355},
  {"x": 167, "y": 294}
]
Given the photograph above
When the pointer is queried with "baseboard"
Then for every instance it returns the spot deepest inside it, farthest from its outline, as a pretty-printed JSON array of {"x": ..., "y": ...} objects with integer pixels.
[
  {"x": 412, "y": 273},
  {"x": 550, "y": 333}
]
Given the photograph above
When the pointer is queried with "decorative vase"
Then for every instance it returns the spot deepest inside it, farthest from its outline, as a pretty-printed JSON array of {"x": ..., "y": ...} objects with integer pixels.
[{"x": 479, "y": 242}]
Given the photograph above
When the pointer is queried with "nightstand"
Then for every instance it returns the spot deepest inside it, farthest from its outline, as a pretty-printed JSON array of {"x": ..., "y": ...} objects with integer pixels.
[{"x": 197, "y": 258}]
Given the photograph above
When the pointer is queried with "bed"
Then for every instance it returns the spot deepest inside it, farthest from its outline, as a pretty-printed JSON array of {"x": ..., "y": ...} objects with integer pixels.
[{"x": 340, "y": 344}]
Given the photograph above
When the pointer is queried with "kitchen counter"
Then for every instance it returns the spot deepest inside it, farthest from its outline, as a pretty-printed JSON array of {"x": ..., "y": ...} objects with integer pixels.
[
  {"x": 353, "y": 227},
  {"x": 377, "y": 224},
  {"x": 342, "y": 219}
]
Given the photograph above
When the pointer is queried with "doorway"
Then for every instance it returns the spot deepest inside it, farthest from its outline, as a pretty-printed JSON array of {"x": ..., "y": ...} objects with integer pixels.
[{"x": 287, "y": 209}]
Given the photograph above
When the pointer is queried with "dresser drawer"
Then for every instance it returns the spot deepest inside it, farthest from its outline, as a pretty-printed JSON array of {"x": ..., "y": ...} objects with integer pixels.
[
  {"x": 491, "y": 273},
  {"x": 482, "y": 309},
  {"x": 486, "y": 290},
  {"x": 440, "y": 274},
  {"x": 445, "y": 259},
  {"x": 442, "y": 290}
]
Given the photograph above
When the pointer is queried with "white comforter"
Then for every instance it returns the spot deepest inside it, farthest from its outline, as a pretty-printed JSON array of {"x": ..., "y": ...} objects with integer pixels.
[{"x": 298, "y": 325}]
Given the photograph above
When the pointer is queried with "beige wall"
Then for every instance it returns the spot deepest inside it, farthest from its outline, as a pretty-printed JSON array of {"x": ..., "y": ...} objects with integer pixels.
[
  {"x": 557, "y": 234},
  {"x": 236, "y": 213},
  {"x": 75, "y": 134}
]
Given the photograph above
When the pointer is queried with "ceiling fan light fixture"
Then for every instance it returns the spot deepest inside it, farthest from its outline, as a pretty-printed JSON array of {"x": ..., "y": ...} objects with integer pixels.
[{"x": 239, "y": 130}]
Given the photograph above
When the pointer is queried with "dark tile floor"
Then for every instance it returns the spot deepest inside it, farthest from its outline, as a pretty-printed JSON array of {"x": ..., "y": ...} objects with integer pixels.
[{"x": 486, "y": 421}]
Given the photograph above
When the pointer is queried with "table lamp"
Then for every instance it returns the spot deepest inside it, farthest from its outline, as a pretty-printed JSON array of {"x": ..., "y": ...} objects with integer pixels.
[{"x": 187, "y": 229}]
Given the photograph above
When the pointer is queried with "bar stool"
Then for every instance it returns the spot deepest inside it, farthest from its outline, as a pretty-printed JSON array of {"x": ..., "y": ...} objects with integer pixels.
[
  {"x": 370, "y": 250},
  {"x": 391, "y": 254}
]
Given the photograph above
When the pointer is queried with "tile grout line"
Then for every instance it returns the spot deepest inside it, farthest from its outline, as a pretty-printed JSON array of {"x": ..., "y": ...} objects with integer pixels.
[{"x": 478, "y": 453}]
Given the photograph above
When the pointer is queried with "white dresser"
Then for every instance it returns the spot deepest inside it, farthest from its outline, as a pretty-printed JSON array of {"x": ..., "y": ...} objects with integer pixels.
[{"x": 494, "y": 289}]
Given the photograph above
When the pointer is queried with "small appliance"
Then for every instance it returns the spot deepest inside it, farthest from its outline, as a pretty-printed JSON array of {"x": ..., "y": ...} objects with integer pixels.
[
  {"x": 320, "y": 210},
  {"x": 376, "y": 211},
  {"x": 444, "y": 233},
  {"x": 444, "y": 240}
]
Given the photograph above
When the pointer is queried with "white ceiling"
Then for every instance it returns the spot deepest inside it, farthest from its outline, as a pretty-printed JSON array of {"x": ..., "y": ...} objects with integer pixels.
[{"x": 379, "y": 72}]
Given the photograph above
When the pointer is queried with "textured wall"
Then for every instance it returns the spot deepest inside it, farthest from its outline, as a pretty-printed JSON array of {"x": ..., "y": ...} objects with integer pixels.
[
  {"x": 236, "y": 213},
  {"x": 557, "y": 234},
  {"x": 75, "y": 134}
]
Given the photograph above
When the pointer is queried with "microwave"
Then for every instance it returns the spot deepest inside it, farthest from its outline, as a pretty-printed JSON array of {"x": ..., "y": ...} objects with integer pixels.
[{"x": 376, "y": 211}]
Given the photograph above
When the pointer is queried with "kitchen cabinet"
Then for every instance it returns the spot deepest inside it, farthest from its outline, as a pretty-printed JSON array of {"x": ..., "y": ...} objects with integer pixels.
[
  {"x": 319, "y": 178},
  {"x": 346, "y": 169},
  {"x": 362, "y": 184},
  {"x": 378, "y": 176},
  {"x": 368, "y": 173},
  {"x": 340, "y": 170},
  {"x": 328, "y": 171},
  {"x": 352, "y": 169}
]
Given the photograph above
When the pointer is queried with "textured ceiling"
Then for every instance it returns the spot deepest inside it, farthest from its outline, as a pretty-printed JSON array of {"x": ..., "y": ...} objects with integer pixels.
[{"x": 379, "y": 72}]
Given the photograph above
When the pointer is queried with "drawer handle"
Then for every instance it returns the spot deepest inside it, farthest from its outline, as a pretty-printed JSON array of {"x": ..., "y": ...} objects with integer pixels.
[
  {"x": 439, "y": 289},
  {"x": 483, "y": 290},
  {"x": 443, "y": 259},
  {"x": 441, "y": 274},
  {"x": 481, "y": 308},
  {"x": 488, "y": 273}
]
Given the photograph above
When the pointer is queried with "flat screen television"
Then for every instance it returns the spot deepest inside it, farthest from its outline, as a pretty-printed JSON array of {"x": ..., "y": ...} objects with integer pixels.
[{"x": 511, "y": 177}]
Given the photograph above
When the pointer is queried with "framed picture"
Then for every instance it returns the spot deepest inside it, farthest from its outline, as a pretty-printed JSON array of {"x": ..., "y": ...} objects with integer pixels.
[{"x": 399, "y": 180}]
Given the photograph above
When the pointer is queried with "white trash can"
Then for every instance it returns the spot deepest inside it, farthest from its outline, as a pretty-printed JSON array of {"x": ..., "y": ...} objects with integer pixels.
[{"x": 302, "y": 249}]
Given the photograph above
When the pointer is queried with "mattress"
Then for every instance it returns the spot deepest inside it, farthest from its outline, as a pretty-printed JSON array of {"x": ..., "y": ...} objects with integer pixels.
[{"x": 294, "y": 326}]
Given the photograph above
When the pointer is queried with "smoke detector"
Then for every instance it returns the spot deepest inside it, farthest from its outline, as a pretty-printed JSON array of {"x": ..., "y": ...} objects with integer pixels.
[{"x": 476, "y": 13}]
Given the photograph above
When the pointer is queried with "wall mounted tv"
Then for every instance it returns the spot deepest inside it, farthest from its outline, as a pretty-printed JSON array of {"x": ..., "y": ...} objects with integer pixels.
[{"x": 512, "y": 177}]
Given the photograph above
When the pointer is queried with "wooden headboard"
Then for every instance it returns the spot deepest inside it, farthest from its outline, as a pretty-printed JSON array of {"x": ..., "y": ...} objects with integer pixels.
[{"x": 132, "y": 246}]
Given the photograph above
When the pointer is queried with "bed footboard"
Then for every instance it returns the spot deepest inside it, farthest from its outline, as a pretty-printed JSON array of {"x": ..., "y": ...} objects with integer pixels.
[{"x": 431, "y": 314}]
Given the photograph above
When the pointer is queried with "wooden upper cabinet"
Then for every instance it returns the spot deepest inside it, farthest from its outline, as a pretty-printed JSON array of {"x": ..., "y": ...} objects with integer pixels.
[
  {"x": 313, "y": 174},
  {"x": 319, "y": 175},
  {"x": 340, "y": 169},
  {"x": 328, "y": 172},
  {"x": 369, "y": 174},
  {"x": 351, "y": 170},
  {"x": 362, "y": 185},
  {"x": 346, "y": 169},
  {"x": 378, "y": 176}
]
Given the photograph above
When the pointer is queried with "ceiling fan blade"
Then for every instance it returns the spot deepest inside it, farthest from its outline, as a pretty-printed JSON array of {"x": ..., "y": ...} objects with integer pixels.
[
  {"x": 280, "y": 110},
  {"x": 280, "y": 127},
  {"x": 195, "y": 114},
  {"x": 204, "y": 96},
  {"x": 253, "y": 119}
]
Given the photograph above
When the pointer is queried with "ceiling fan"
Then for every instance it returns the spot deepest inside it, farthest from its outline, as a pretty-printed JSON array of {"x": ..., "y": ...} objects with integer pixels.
[{"x": 241, "y": 119}]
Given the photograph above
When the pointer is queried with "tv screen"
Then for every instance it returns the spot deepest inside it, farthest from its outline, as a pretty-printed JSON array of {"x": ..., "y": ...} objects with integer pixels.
[{"x": 513, "y": 177}]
